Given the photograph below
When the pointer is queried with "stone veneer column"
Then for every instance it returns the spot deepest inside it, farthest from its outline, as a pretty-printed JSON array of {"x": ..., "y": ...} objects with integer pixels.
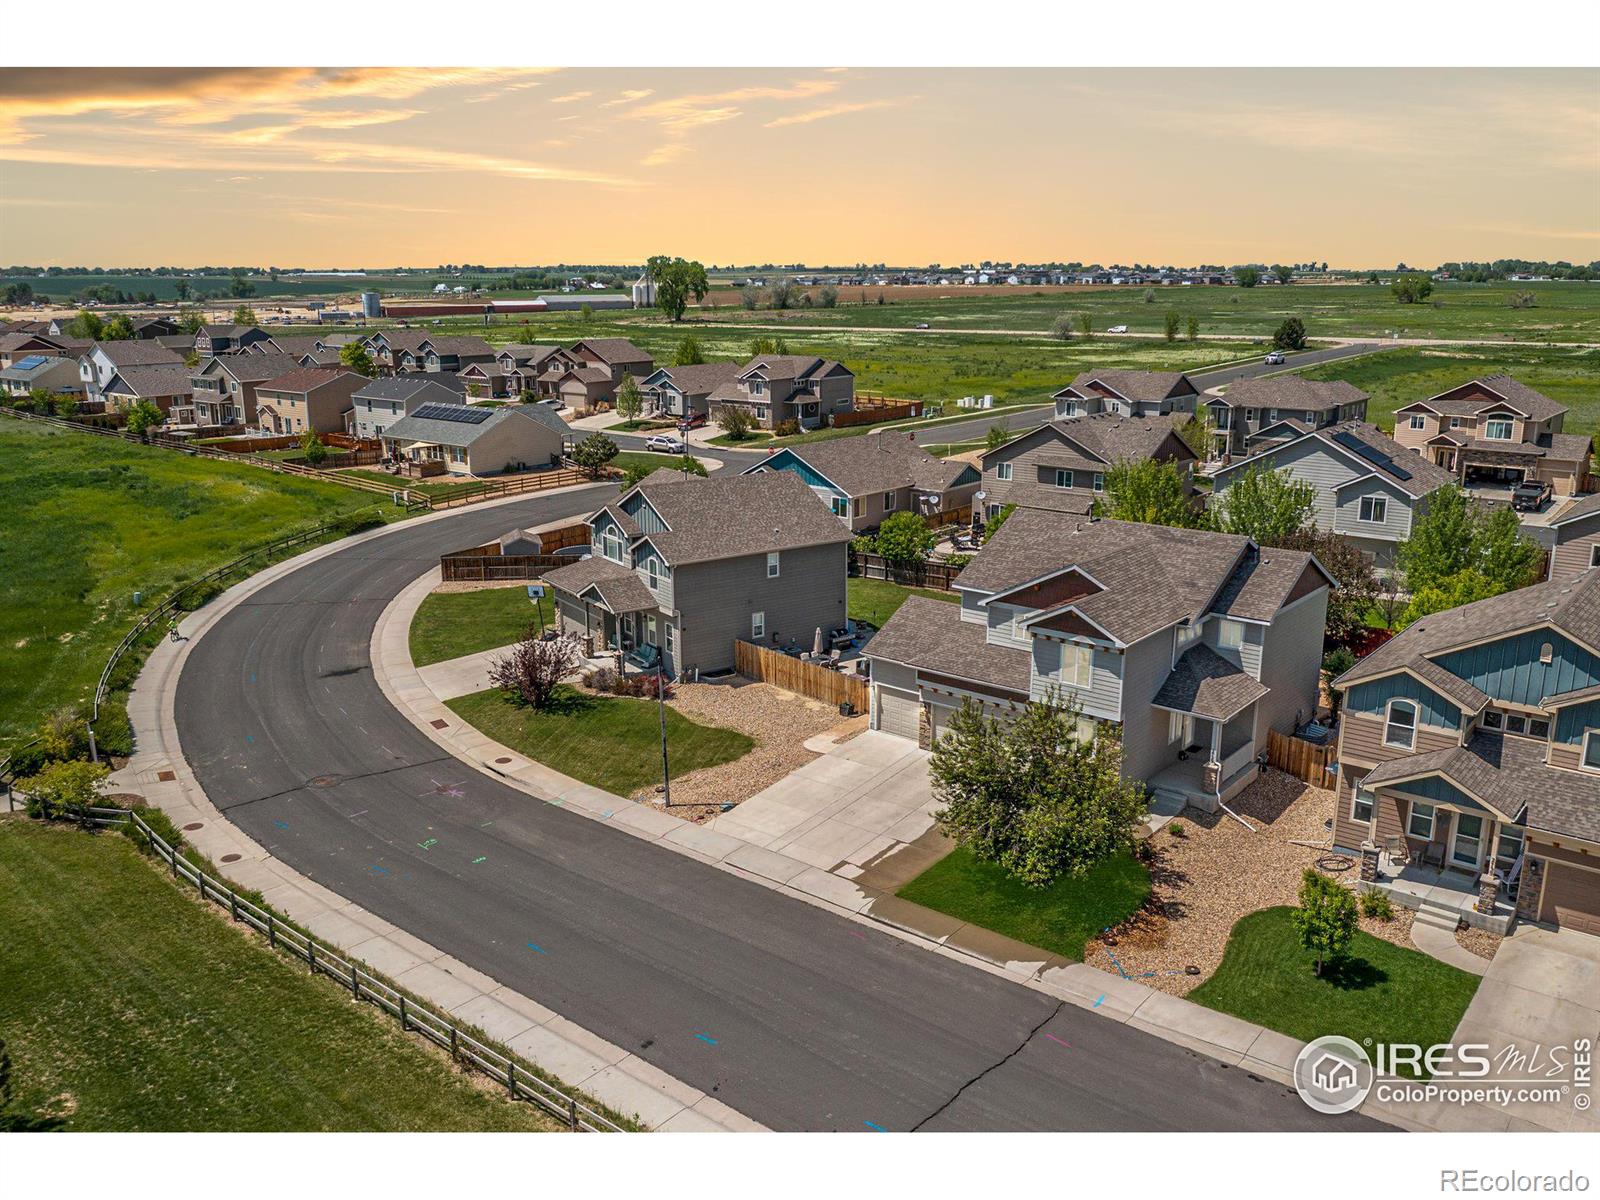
[
  {"x": 924, "y": 728},
  {"x": 1530, "y": 887},
  {"x": 1369, "y": 862},
  {"x": 1488, "y": 891}
]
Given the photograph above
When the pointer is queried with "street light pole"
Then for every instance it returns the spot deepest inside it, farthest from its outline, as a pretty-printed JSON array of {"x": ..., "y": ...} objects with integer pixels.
[{"x": 661, "y": 712}]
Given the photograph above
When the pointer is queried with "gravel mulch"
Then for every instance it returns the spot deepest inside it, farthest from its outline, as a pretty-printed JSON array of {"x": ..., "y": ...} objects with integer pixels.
[
  {"x": 1478, "y": 941},
  {"x": 779, "y": 721},
  {"x": 480, "y": 586},
  {"x": 1218, "y": 871}
]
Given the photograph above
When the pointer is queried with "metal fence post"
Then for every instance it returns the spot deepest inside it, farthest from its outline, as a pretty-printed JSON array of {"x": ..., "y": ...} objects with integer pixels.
[
  {"x": 233, "y": 905},
  {"x": 355, "y": 983},
  {"x": 311, "y": 955},
  {"x": 572, "y": 1113},
  {"x": 453, "y": 1054},
  {"x": 405, "y": 1026},
  {"x": 511, "y": 1079},
  {"x": 272, "y": 932}
]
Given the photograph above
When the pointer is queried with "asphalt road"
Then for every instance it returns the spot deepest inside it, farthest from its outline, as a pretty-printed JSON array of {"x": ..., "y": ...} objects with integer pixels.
[{"x": 818, "y": 1022}]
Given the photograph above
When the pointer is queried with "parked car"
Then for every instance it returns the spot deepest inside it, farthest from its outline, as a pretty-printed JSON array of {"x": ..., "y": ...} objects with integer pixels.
[
  {"x": 692, "y": 421},
  {"x": 555, "y": 402},
  {"x": 1118, "y": 329},
  {"x": 922, "y": 325},
  {"x": 1530, "y": 495},
  {"x": 1274, "y": 359},
  {"x": 665, "y": 443}
]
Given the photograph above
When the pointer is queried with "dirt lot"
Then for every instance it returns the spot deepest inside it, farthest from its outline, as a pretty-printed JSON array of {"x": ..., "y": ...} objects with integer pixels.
[{"x": 779, "y": 721}]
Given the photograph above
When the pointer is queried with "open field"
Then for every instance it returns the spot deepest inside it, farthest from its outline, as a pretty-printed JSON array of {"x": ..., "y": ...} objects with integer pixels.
[
  {"x": 1397, "y": 377},
  {"x": 86, "y": 521},
  {"x": 126, "y": 1005}
]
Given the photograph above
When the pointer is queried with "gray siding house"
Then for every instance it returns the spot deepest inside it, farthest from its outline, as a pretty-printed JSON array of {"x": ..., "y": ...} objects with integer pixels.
[
  {"x": 1577, "y": 539},
  {"x": 1061, "y": 466},
  {"x": 475, "y": 440},
  {"x": 1127, "y": 394},
  {"x": 1256, "y": 413},
  {"x": 685, "y": 566},
  {"x": 1193, "y": 645},
  {"x": 683, "y": 392},
  {"x": 788, "y": 387},
  {"x": 382, "y": 402}
]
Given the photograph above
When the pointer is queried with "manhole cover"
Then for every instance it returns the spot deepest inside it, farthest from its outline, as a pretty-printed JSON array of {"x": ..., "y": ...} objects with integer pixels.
[
  {"x": 439, "y": 723},
  {"x": 229, "y": 858},
  {"x": 502, "y": 760},
  {"x": 193, "y": 825}
]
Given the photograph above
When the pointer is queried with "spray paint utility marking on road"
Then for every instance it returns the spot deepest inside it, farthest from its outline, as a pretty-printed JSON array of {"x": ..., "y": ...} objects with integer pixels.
[
  {"x": 1058, "y": 1041},
  {"x": 875, "y": 1125},
  {"x": 538, "y": 949},
  {"x": 480, "y": 858},
  {"x": 855, "y": 934},
  {"x": 248, "y": 738},
  {"x": 377, "y": 870},
  {"x": 1099, "y": 1000},
  {"x": 429, "y": 844},
  {"x": 281, "y": 824},
  {"x": 710, "y": 1041}
]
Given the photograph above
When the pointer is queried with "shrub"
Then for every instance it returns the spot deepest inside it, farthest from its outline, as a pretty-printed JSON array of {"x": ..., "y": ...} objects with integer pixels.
[
  {"x": 354, "y": 522},
  {"x": 200, "y": 595},
  {"x": 64, "y": 787},
  {"x": 956, "y": 561},
  {"x": 535, "y": 667},
  {"x": 113, "y": 732},
  {"x": 1176, "y": 829},
  {"x": 904, "y": 538},
  {"x": 1337, "y": 661},
  {"x": 29, "y": 760},
  {"x": 1375, "y": 903},
  {"x": 735, "y": 422},
  {"x": 614, "y": 683},
  {"x": 787, "y": 428},
  {"x": 160, "y": 824},
  {"x": 63, "y": 735}
]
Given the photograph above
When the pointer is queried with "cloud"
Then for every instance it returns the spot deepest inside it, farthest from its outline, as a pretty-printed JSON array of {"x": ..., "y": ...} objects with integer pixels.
[
  {"x": 683, "y": 113},
  {"x": 629, "y": 97},
  {"x": 570, "y": 97},
  {"x": 666, "y": 153},
  {"x": 835, "y": 110}
]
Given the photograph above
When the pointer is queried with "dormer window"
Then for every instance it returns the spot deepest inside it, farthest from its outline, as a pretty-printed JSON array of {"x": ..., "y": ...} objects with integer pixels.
[
  {"x": 757, "y": 386},
  {"x": 1547, "y": 652},
  {"x": 1400, "y": 728},
  {"x": 1497, "y": 429}
]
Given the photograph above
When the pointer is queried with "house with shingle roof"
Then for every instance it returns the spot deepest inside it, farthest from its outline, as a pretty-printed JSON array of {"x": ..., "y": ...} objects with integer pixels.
[
  {"x": 774, "y": 388},
  {"x": 589, "y": 373},
  {"x": 52, "y": 372},
  {"x": 864, "y": 480},
  {"x": 479, "y": 440},
  {"x": 388, "y": 346},
  {"x": 1469, "y": 750},
  {"x": 166, "y": 385},
  {"x": 684, "y": 566},
  {"x": 1369, "y": 488},
  {"x": 99, "y": 364},
  {"x": 225, "y": 386},
  {"x": 228, "y": 339},
  {"x": 314, "y": 398},
  {"x": 1061, "y": 466},
  {"x": 1497, "y": 431},
  {"x": 1127, "y": 394},
  {"x": 1253, "y": 411},
  {"x": 684, "y": 392},
  {"x": 1191, "y": 645},
  {"x": 382, "y": 402},
  {"x": 1576, "y": 529}
]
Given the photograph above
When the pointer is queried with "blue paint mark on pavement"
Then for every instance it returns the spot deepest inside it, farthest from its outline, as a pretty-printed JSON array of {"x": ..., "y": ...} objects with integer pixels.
[
  {"x": 540, "y": 949},
  {"x": 281, "y": 824},
  {"x": 1101, "y": 999},
  {"x": 875, "y": 1125},
  {"x": 710, "y": 1041},
  {"x": 378, "y": 870}
]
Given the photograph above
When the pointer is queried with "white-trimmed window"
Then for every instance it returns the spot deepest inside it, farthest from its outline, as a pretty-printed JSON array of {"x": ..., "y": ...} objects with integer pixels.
[
  {"x": 757, "y": 386},
  {"x": 1374, "y": 509},
  {"x": 1184, "y": 637},
  {"x": 1516, "y": 723},
  {"x": 1077, "y": 664},
  {"x": 1493, "y": 718},
  {"x": 611, "y": 544},
  {"x": 840, "y": 506},
  {"x": 652, "y": 570},
  {"x": 1591, "y": 749},
  {"x": 772, "y": 564},
  {"x": 1507, "y": 848},
  {"x": 1539, "y": 727},
  {"x": 1099, "y": 482},
  {"x": 1594, "y": 555},
  {"x": 758, "y": 626},
  {"x": 1063, "y": 478},
  {"x": 1547, "y": 653},
  {"x": 1311, "y": 417},
  {"x": 1361, "y": 806},
  {"x": 1002, "y": 472},
  {"x": 1230, "y": 634},
  {"x": 1400, "y": 725},
  {"x": 1420, "y": 823},
  {"x": 672, "y": 639},
  {"x": 888, "y": 502},
  {"x": 1455, "y": 422},
  {"x": 1497, "y": 429},
  {"x": 1418, "y": 421}
]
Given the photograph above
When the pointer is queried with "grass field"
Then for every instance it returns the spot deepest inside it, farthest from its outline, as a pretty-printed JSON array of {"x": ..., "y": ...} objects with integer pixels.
[
  {"x": 876, "y": 600},
  {"x": 127, "y": 1006},
  {"x": 1380, "y": 993},
  {"x": 450, "y": 624},
  {"x": 1059, "y": 918},
  {"x": 437, "y": 487},
  {"x": 1397, "y": 377},
  {"x": 86, "y": 521},
  {"x": 605, "y": 741}
]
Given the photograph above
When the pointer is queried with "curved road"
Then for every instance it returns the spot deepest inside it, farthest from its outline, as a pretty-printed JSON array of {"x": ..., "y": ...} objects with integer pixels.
[{"x": 819, "y": 1023}]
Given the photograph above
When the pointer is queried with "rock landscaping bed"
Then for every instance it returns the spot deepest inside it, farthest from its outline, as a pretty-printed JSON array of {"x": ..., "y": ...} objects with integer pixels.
[{"x": 1478, "y": 941}]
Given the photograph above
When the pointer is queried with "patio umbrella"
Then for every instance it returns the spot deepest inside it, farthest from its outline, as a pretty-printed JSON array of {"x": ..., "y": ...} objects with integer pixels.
[{"x": 816, "y": 644}]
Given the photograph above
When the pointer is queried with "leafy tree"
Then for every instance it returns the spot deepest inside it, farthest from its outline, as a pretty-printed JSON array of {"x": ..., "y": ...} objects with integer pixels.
[
  {"x": 688, "y": 353},
  {"x": 1192, "y": 328},
  {"x": 86, "y": 325},
  {"x": 1269, "y": 506},
  {"x": 593, "y": 453},
  {"x": 1061, "y": 328},
  {"x": 1359, "y": 587},
  {"x": 762, "y": 345},
  {"x": 533, "y": 669},
  {"x": 691, "y": 465},
  {"x": 181, "y": 290},
  {"x": 1502, "y": 554},
  {"x": 736, "y": 422},
  {"x": 1291, "y": 335},
  {"x": 1197, "y": 432},
  {"x": 244, "y": 315},
  {"x": 118, "y": 329},
  {"x": 749, "y": 298},
  {"x": 1285, "y": 274},
  {"x": 1464, "y": 587},
  {"x": 780, "y": 295},
  {"x": 358, "y": 358},
  {"x": 1033, "y": 794},
  {"x": 637, "y": 472},
  {"x": 40, "y": 400},
  {"x": 1411, "y": 289},
  {"x": 1086, "y": 324},
  {"x": 143, "y": 417},
  {"x": 315, "y": 452},
  {"x": 1149, "y": 296},
  {"x": 904, "y": 538},
  {"x": 828, "y": 296},
  {"x": 65, "y": 787},
  {"x": 997, "y": 436},
  {"x": 676, "y": 280},
  {"x": 1326, "y": 918},
  {"x": 1523, "y": 300},
  {"x": 1334, "y": 664},
  {"x": 190, "y": 320},
  {"x": 630, "y": 400},
  {"x": 1170, "y": 323},
  {"x": 1149, "y": 492},
  {"x": 1246, "y": 277},
  {"x": 1440, "y": 544},
  {"x": 239, "y": 288}
]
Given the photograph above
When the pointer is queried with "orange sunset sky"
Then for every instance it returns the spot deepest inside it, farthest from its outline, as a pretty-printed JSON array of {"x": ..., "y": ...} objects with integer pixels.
[{"x": 390, "y": 166}]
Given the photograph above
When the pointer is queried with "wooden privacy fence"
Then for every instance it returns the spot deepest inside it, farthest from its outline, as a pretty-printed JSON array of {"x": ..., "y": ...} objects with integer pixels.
[
  {"x": 463, "y": 1047},
  {"x": 792, "y": 675},
  {"x": 493, "y": 489},
  {"x": 473, "y": 567},
  {"x": 919, "y": 574},
  {"x": 870, "y": 411},
  {"x": 1302, "y": 759}
]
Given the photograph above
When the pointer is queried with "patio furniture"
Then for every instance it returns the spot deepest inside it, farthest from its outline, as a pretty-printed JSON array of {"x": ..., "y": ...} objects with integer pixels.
[
  {"x": 646, "y": 657},
  {"x": 1433, "y": 855},
  {"x": 1399, "y": 853}
]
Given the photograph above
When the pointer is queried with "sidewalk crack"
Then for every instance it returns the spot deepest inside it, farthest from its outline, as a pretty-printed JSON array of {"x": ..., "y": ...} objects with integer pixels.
[{"x": 995, "y": 1066}]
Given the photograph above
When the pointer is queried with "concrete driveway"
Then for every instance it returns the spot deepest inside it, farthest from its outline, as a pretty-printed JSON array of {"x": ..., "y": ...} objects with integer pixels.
[
  {"x": 862, "y": 800},
  {"x": 1542, "y": 991}
]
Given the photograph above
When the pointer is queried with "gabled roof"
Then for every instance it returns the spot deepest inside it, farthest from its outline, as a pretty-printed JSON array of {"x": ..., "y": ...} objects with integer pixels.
[
  {"x": 250, "y": 368},
  {"x": 1584, "y": 506},
  {"x": 930, "y": 634},
  {"x": 404, "y": 389},
  {"x": 1139, "y": 386},
  {"x": 873, "y": 462},
  {"x": 305, "y": 379},
  {"x": 464, "y": 424},
  {"x": 728, "y": 516},
  {"x": 699, "y": 379},
  {"x": 1518, "y": 395},
  {"x": 160, "y": 379},
  {"x": 526, "y": 353},
  {"x": 614, "y": 586},
  {"x": 613, "y": 350},
  {"x": 460, "y": 346},
  {"x": 1208, "y": 685},
  {"x": 1289, "y": 392},
  {"x": 137, "y": 354},
  {"x": 1367, "y": 448}
]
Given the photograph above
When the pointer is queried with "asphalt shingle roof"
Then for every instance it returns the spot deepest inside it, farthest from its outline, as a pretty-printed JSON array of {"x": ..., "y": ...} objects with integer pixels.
[
  {"x": 420, "y": 426},
  {"x": 1146, "y": 386},
  {"x": 138, "y": 354},
  {"x": 730, "y": 516},
  {"x": 162, "y": 379},
  {"x": 877, "y": 462},
  {"x": 701, "y": 379},
  {"x": 1292, "y": 392},
  {"x": 619, "y": 587},
  {"x": 304, "y": 379},
  {"x": 1208, "y": 685},
  {"x": 930, "y": 634}
]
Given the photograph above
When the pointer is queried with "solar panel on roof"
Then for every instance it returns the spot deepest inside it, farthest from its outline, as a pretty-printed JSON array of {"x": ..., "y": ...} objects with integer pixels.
[
  {"x": 30, "y": 362},
  {"x": 1372, "y": 454},
  {"x": 454, "y": 412}
]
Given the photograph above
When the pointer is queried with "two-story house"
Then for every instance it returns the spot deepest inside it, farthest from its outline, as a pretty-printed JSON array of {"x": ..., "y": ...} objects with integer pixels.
[
  {"x": 864, "y": 480},
  {"x": 684, "y": 392},
  {"x": 382, "y": 402},
  {"x": 389, "y": 346},
  {"x": 1576, "y": 530},
  {"x": 307, "y": 398},
  {"x": 166, "y": 385},
  {"x": 1192, "y": 644},
  {"x": 788, "y": 387},
  {"x": 1368, "y": 487},
  {"x": 590, "y": 372},
  {"x": 1062, "y": 465},
  {"x": 1127, "y": 394},
  {"x": 1469, "y": 755},
  {"x": 439, "y": 353},
  {"x": 1497, "y": 431},
  {"x": 1255, "y": 413},
  {"x": 225, "y": 387},
  {"x": 99, "y": 364},
  {"x": 53, "y": 373},
  {"x": 227, "y": 339},
  {"x": 688, "y": 565}
]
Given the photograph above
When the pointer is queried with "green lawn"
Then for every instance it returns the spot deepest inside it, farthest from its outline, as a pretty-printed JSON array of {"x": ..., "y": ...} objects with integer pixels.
[
  {"x": 127, "y": 1006},
  {"x": 605, "y": 741},
  {"x": 450, "y": 624},
  {"x": 86, "y": 521},
  {"x": 1059, "y": 918},
  {"x": 875, "y": 600},
  {"x": 644, "y": 458},
  {"x": 1397, "y": 377},
  {"x": 1382, "y": 992}
]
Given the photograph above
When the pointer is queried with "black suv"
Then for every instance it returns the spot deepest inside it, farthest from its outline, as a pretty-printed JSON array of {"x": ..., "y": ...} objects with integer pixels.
[{"x": 1530, "y": 495}]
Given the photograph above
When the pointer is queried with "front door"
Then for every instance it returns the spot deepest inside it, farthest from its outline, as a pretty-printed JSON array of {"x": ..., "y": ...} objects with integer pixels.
[{"x": 1466, "y": 849}]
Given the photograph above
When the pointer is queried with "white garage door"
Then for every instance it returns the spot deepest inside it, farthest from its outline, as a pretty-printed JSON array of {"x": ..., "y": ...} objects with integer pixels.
[{"x": 898, "y": 712}]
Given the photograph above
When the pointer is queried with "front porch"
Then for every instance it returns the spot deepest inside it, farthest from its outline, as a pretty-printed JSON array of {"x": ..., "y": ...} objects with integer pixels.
[
  {"x": 1445, "y": 890},
  {"x": 1211, "y": 708}
]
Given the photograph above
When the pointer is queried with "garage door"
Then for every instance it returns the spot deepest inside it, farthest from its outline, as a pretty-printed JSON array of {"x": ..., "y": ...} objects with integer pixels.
[
  {"x": 898, "y": 713},
  {"x": 939, "y": 719},
  {"x": 1571, "y": 898}
]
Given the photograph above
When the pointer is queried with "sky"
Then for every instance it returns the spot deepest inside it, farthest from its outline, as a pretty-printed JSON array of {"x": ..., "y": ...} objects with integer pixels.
[{"x": 379, "y": 166}]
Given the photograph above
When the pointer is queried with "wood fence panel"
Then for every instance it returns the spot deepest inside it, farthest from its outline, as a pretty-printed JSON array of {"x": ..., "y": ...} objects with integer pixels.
[
  {"x": 1302, "y": 759},
  {"x": 924, "y": 574},
  {"x": 792, "y": 675}
]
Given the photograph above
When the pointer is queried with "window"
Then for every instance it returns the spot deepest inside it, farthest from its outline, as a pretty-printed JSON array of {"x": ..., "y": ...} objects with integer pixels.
[
  {"x": 1594, "y": 555},
  {"x": 457, "y": 454},
  {"x": 1591, "y": 749},
  {"x": 758, "y": 626},
  {"x": 1002, "y": 472},
  {"x": 1063, "y": 478},
  {"x": 1374, "y": 509},
  {"x": 1099, "y": 482},
  {"x": 611, "y": 542},
  {"x": 1455, "y": 422},
  {"x": 672, "y": 640},
  {"x": 1311, "y": 417},
  {"x": 1401, "y": 727},
  {"x": 1546, "y": 653},
  {"x": 1418, "y": 421},
  {"x": 1077, "y": 665},
  {"x": 1361, "y": 806},
  {"x": 1185, "y": 636},
  {"x": 840, "y": 506},
  {"x": 1538, "y": 727},
  {"x": 888, "y": 502},
  {"x": 652, "y": 570},
  {"x": 1230, "y": 634},
  {"x": 1420, "y": 823},
  {"x": 1516, "y": 723},
  {"x": 1273, "y": 415},
  {"x": 772, "y": 564},
  {"x": 756, "y": 387},
  {"x": 1508, "y": 848},
  {"x": 1498, "y": 429},
  {"x": 1494, "y": 719}
]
